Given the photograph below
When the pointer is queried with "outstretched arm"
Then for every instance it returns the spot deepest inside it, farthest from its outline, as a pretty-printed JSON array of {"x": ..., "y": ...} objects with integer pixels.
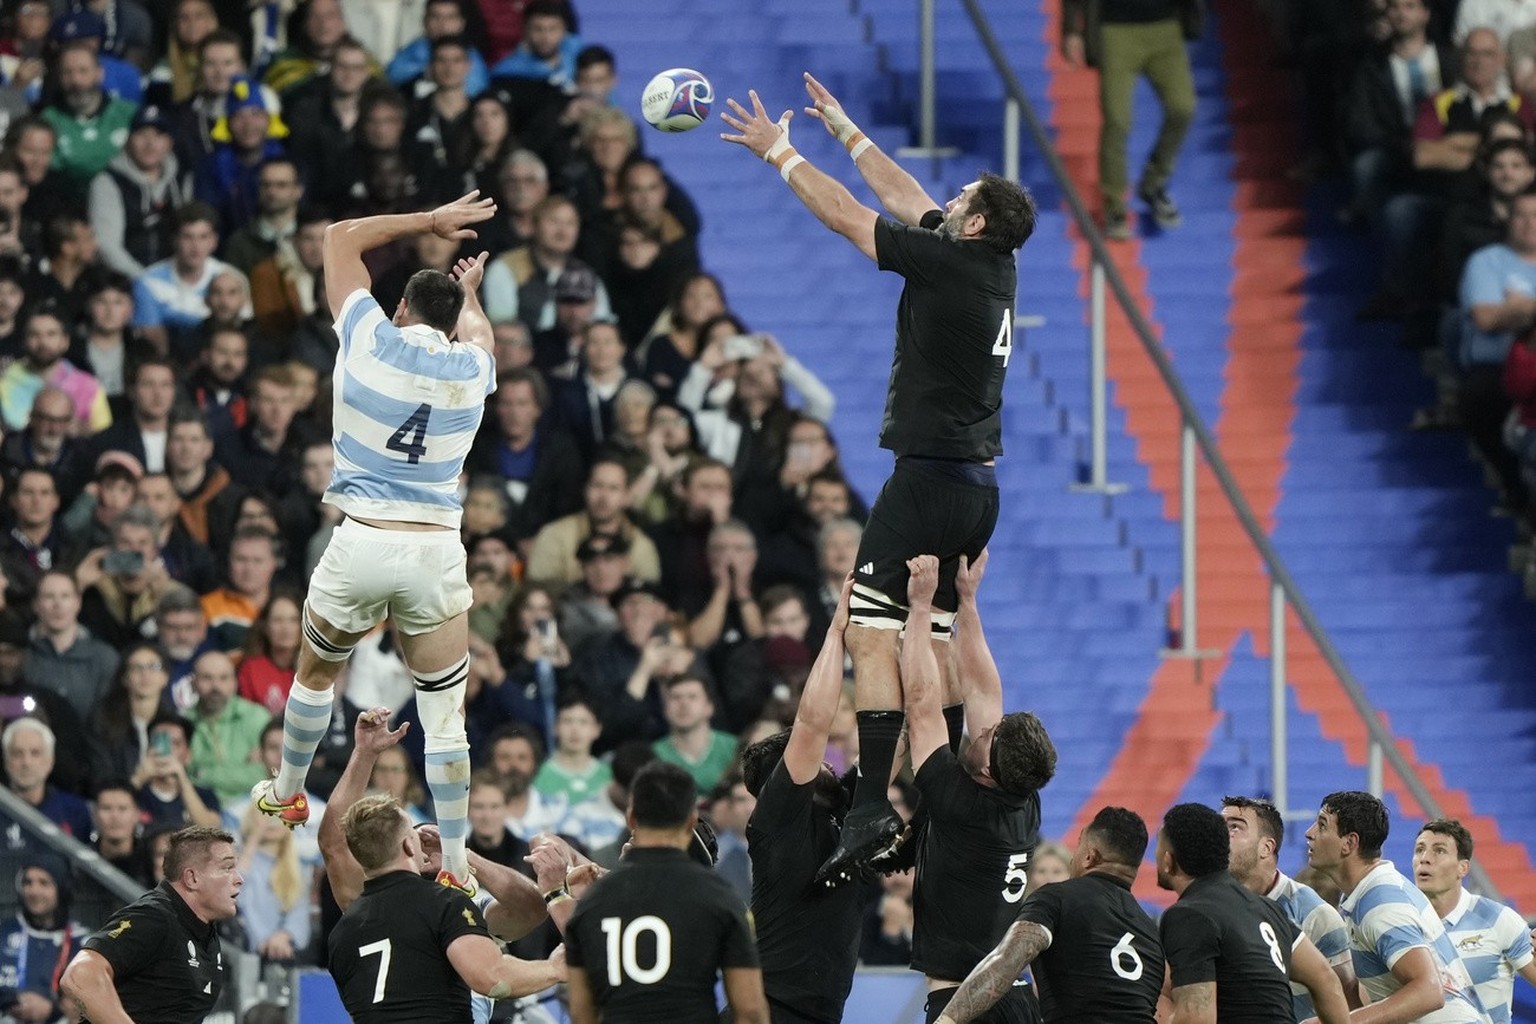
[
  {"x": 920, "y": 682},
  {"x": 1311, "y": 969},
  {"x": 371, "y": 735},
  {"x": 983, "y": 685},
  {"x": 832, "y": 204},
  {"x": 899, "y": 192},
  {"x": 474, "y": 326},
  {"x": 818, "y": 701},
  {"x": 88, "y": 981},
  {"x": 347, "y": 240},
  {"x": 991, "y": 979}
]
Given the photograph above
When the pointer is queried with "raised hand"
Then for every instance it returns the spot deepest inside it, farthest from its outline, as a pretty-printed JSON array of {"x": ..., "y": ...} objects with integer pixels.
[
  {"x": 923, "y": 580},
  {"x": 755, "y": 130},
  {"x": 469, "y": 272},
  {"x": 840, "y": 617},
  {"x": 825, "y": 108},
  {"x": 373, "y": 734},
  {"x": 968, "y": 578},
  {"x": 452, "y": 220}
]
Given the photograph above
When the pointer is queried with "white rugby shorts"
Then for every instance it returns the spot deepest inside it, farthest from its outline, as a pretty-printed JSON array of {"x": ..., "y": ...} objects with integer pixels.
[{"x": 367, "y": 573}]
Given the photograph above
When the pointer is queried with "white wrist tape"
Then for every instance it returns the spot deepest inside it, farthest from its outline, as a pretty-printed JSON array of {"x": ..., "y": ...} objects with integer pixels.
[
  {"x": 794, "y": 161},
  {"x": 775, "y": 153},
  {"x": 857, "y": 149}
]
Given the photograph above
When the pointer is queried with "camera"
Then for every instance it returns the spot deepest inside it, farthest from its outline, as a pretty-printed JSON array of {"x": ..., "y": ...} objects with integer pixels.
[
  {"x": 743, "y": 346},
  {"x": 122, "y": 563}
]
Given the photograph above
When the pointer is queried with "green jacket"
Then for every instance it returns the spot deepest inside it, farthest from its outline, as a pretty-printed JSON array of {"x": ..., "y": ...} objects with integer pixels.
[
  {"x": 222, "y": 749},
  {"x": 1085, "y": 18},
  {"x": 86, "y": 147}
]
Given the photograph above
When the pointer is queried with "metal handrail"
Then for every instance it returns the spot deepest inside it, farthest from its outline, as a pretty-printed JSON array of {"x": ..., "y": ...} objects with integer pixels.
[
  {"x": 68, "y": 847},
  {"x": 1383, "y": 746}
]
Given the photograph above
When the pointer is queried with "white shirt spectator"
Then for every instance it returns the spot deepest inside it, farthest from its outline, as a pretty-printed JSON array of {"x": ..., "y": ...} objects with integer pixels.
[{"x": 1503, "y": 16}]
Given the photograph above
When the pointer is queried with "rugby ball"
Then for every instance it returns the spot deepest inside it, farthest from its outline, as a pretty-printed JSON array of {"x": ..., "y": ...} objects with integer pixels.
[{"x": 677, "y": 100}]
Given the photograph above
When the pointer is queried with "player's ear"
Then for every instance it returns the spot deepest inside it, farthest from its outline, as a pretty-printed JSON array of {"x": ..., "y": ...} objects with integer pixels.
[{"x": 399, "y": 313}]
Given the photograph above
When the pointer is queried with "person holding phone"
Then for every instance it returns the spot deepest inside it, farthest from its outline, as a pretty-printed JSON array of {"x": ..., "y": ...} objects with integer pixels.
[{"x": 164, "y": 789}]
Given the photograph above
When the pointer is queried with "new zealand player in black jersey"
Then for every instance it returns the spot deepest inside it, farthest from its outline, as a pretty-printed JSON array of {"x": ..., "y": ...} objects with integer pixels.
[
  {"x": 983, "y": 806},
  {"x": 406, "y": 949},
  {"x": 647, "y": 942},
  {"x": 159, "y": 959},
  {"x": 1096, "y": 953},
  {"x": 1231, "y": 953},
  {"x": 807, "y": 934},
  {"x": 954, "y": 337}
]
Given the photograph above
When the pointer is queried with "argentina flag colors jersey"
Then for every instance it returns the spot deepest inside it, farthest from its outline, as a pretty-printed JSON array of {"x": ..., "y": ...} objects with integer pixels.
[{"x": 1494, "y": 943}]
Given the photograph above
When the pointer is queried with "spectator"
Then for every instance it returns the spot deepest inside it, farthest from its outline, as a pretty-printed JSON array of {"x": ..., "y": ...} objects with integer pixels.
[
  {"x": 324, "y": 123},
  {"x": 730, "y": 807},
  {"x": 439, "y": 127},
  {"x": 35, "y": 946},
  {"x": 639, "y": 281},
  {"x": 515, "y": 754},
  {"x": 572, "y": 775},
  {"x": 71, "y": 769},
  {"x": 20, "y": 237},
  {"x": 63, "y": 282},
  {"x": 166, "y": 793},
  {"x": 278, "y": 193},
  {"x": 90, "y": 519},
  {"x": 671, "y": 447},
  {"x": 219, "y": 62},
  {"x": 29, "y": 759},
  {"x": 285, "y": 285},
  {"x": 146, "y": 433},
  {"x": 553, "y": 557},
  {"x": 33, "y": 141},
  {"x": 1382, "y": 104},
  {"x": 557, "y": 350},
  {"x": 682, "y": 542},
  {"x": 731, "y": 615},
  {"x": 760, "y": 677},
  {"x": 666, "y": 357},
  {"x": 210, "y": 500},
  {"x": 47, "y": 444},
  {"x": 440, "y": 19},
  {"x": 377, "y": 159},
  {"x": 619, "y": 670},
  {"x": 120, "y": 79},
  {"x": 89, "y": 124},
  {"x": 315, "y": 29},
  {"x": 489, "y": 835},
  {"x": 192, "y": 23},
  {"x": 116, "y": 839},
  {"x": 127, "y": 29},
  {"x": 690, "y": 743},
  {"x": 314, "y": 341},
  {"x": 887, "y": 937},
  {"x": 274, "y": 903},
  {"x": 63, "y": 656},
  {"x": 628, "y": 441},
  {"x": 584, "y": 405},
  {"x": 644, "y": 193},
  {"x": 588, "y": 606},
  {"x": 1482, "y": 219},
  {"x": 13, "y": 290},
  {"x": 1124, "y": 46},
  {"x": 245, "y": 138},
  {"x": 104, "y": 343},
  {"x": 45, "y": 367},
  {"x": 186, "y": 561},
  {"x": 118, "y": 605},
  {"x": 232, "y": 610},
  {"x": 120, "y": 726},
  {"x": 540, "y": 463},
  {"x": 393, "y": 774},
  {"x": 307, "y": 845},
  {"x": 37, "y": 542},
  {"x": 1498, "y": 300},
  {"x": 483, "y": 152},
  {"x": 599, "y": 824},
  {"x": 1501, "y": 17},
  {"x": 133, "y": 196},
  {"x": 548, "y": 49},
  {"x": 184, "y": 638},
  {"x": 264, "y": 455},
  {"x": 523, "y": 183},
  {"x": 171, "y": 297},
  {"x": 271, "y": 653},
  {"x": 836, "y": 552},
  {"x": 534, "y": 657},
  {"x": 226, "y": 747},
  {"x": 218, "y": 383},
  {"x": 1052, "y": 862},
  {"x": 305, "y": 517},
  {"x": 520, "y": 284}
]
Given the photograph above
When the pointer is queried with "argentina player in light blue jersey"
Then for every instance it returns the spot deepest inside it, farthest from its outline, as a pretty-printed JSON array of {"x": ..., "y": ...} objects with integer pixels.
[
  {"x": 1491, "y": 939},
  {"x": 409, "y": 393},
  {"x": 1255, "y": 833},
  {"x": 1405, "y": 963}
]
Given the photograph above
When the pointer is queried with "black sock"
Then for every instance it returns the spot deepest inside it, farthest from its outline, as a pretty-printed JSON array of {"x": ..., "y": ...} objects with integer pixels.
[
  {"x": 954, "y": 721},
  {"x": 879, "y": 732}
]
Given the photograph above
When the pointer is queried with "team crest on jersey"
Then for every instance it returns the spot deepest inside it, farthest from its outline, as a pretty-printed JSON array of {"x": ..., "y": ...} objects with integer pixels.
[
  {"x": 1470, "y": 943},
  {"x": 469, "y": 916},
  {"x": 192, "y": 960},
  {"x": 121, "y": 927}
]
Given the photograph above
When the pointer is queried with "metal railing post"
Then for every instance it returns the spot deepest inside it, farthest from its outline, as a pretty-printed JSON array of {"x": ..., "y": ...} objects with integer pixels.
[
  {"x": 1011, "y": 139},
  {"x": 1373, "y": 783},
  {"x": 1189, "y": 630},
  {"x": 927, "y": 89},
  {"x": 1279, "y": 786},
  {"x": 1098, "y": 390}
]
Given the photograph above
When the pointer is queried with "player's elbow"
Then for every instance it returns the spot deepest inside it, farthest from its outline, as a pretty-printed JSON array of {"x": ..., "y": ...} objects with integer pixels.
[{"x": 78, "y": 978}]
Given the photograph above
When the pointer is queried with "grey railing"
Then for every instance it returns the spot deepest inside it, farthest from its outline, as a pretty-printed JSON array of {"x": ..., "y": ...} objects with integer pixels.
[
  {"x": 1197, "y": 443},
  {"x": 84, "y": 859}
]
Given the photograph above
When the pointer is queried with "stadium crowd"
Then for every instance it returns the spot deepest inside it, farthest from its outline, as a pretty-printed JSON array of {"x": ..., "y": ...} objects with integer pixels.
[
  {"x": 1430, "y": 106},
  {"x": 656, "y": 519}
]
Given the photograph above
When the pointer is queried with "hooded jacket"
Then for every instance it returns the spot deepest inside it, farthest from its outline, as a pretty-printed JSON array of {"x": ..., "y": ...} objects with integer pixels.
[
  {"x": 34, "y": 953},
  {"x": 131, "y": 213}
]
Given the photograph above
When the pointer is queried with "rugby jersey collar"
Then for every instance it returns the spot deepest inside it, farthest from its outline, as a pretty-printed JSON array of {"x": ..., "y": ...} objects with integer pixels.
[
  {"x": 1383, "y": 867},
  {"x": 1464, "y": 904}
]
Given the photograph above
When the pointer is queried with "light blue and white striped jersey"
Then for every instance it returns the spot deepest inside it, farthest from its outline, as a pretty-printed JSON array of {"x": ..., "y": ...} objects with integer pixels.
[
  {"x": 407, "y": 404},
  {"x": 1494, "y": 943},
  {"x": 1319, "y": 922},
  {"x": 1387, "y": 917}
]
